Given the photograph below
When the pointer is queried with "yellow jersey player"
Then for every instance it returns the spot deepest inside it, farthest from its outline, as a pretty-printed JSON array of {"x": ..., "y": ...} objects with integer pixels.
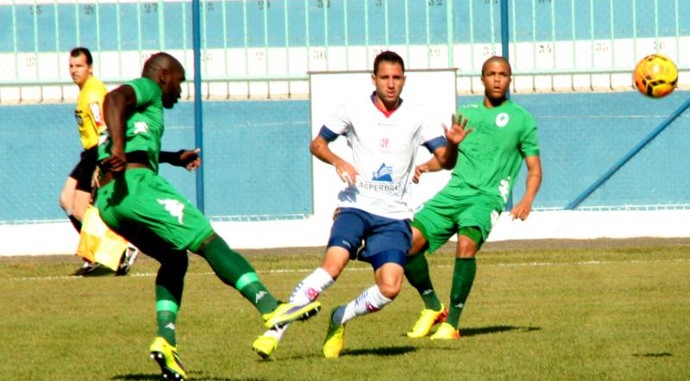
[{"x": 76, "y": 193}]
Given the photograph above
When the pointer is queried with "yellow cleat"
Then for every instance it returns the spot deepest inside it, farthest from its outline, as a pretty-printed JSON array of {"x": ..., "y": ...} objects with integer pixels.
[
  {"x": 286, "y": 313},
  {"x": 446, "y": 332},
  {"x": 265, "y": 345},
  {"x": 427, "y": 320},
  {"x": 167, "y": 358},
  {"x": 335, "y": 338}
]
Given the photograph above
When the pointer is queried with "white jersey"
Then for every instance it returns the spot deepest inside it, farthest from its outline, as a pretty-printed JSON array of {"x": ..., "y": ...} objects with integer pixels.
[{"x": 384, "y": 148}]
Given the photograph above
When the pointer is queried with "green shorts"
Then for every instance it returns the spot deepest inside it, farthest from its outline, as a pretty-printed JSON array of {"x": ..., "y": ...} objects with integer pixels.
[
  {"x": 441, "y": 217},
  {"x": 147, "y": 210}
]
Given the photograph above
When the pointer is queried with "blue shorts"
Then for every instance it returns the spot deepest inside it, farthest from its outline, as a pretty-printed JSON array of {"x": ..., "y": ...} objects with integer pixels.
[{"x": 370, "y": 238}]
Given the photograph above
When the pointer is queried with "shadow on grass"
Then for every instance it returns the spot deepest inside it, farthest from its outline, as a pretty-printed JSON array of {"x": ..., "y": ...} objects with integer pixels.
[
  {"x": 468, "y": 332},
  {"x": 139, "y": 377},
  {"x": 192, "y": 377},
  {"x": 653, "y": 354},
  {"x": 397, "y": 351},
  {"x": 99, "y": 272},
  {"x": 381, "y": 351}
]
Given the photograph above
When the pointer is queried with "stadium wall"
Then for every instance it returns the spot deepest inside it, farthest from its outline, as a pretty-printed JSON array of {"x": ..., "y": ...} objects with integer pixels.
[
  {"x": 59, "y": 238},
  {"x": 255, "y": 63},
  {"x": 258, "y": 171},
  {"x": 265, "y": 49}
]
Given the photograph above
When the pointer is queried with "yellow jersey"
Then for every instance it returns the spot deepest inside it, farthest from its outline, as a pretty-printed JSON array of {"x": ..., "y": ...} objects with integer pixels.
[{"x": 89, "y": 112}]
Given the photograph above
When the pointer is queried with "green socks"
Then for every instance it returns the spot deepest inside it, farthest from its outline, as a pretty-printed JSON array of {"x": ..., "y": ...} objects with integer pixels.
[
  {"x": 234, "y": 270},
  {"x": 463, "y": 278},
  {"x": 417, "y": 273},
  {"x": 167, "y": 306}
]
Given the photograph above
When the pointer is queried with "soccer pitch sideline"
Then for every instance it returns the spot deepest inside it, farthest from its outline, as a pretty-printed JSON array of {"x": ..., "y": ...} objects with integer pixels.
[{"x": 539, "y": 310}]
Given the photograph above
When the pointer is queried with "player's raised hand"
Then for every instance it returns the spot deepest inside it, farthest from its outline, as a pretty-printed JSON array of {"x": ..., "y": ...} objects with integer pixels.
[{"x": 458, "y": 129}]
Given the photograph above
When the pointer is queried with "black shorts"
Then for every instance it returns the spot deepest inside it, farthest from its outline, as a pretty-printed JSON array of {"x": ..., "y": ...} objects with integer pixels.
[{"x": 83, "y": 171}]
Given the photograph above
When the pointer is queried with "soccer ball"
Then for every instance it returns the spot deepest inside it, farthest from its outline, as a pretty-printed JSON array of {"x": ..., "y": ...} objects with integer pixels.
[{"x": 655, "y": 76}]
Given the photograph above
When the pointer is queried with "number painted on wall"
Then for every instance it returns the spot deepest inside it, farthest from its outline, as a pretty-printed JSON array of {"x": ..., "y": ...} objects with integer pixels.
[
  {"x": 206, "y": 56},
  {"x": 435, "y": 52},
  {"x": 488, "y": 51},
  {"x": 150, "y": 8},
  {"x": 318, "y": 54},
  {"x": 30, "y": 61},
  {"x": 264, "y": 4},
  {"x": 544, "y": 48},
  {"x": 659, "y": 46},
  {"x": 35, "y": 10},
  {"x": 601, "y": 47}
]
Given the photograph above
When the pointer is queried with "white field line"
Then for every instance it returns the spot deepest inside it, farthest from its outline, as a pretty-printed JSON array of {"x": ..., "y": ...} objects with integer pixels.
[{"x": 282, "y": 271}]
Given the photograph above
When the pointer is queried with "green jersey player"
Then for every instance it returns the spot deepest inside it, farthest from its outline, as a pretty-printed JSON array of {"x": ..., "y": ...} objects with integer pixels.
[
  {"x": 503, "y": 134},
  {"x": 143, "y": 207}
]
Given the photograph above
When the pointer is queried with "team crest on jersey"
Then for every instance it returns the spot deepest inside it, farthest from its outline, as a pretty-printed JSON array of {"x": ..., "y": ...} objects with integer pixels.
[
  {"x": 384, "y": 173},
  {"x": 77, "y": 116},
  {"x": 502, "y": 120},
  {"x": 384, "y": 143}
]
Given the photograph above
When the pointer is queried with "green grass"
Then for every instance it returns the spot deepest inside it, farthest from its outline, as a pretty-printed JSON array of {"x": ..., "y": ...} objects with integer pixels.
[{"x": 549, "y": 310}]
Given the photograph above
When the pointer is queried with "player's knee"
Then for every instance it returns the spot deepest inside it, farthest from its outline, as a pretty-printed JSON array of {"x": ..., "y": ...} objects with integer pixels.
[
  {"x": 469, "y": 240},
  {"x": 65, "y": 203},
  {"x": 79, "y": 211},
  {"x": 466, "y": 249},
  {"x": 419, "y": 242},
  {"x": 390, "y": 290},
  {"x": 389, "y": 273}
]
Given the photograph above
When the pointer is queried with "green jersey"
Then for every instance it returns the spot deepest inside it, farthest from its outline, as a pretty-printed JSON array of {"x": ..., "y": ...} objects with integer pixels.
[
  {"x": 490, "y": 157},
  {"x": 144, "y": 130}
]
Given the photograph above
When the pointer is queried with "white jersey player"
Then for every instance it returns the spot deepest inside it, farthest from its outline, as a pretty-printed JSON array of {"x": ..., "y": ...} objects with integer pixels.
[
  {"x": 372, "y": 222},
  {"x": 384, "y": 146}
]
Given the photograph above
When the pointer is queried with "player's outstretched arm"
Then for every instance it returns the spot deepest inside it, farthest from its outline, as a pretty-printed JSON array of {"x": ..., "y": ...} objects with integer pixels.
[{"x": 190, "y": 159}]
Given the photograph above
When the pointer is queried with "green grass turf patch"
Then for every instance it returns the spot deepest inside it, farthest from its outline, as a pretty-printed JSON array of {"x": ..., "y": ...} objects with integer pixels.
[{"x": 539, "y": 310}]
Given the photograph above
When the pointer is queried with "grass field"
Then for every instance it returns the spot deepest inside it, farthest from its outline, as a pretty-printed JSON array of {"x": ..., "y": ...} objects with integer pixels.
[{"x": 539, "y": 310}]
